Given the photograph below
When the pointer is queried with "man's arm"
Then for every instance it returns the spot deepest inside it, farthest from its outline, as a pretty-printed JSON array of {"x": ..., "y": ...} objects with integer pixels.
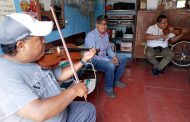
[
  {"x": 67, "y": 72},
  {"x": 41, "y": 110},
  {"x": 184, "y": 30},
  {"x": 155, "y": 37},
  {"x": 110, "y": 52},
  {"x": 152, "y": 35}
]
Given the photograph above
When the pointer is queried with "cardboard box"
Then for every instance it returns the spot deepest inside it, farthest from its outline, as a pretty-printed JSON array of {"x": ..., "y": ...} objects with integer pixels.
[{"x": 126, "y": 46}]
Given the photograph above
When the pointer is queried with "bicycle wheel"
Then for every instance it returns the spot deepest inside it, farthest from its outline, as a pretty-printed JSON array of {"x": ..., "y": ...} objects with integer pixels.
[{"x": 181, "y": 53}]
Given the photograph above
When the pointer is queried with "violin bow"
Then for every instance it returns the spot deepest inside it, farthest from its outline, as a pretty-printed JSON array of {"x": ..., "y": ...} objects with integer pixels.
[
  {"x": 64, "y": 45},
  {"x": 90, "y": 85}
]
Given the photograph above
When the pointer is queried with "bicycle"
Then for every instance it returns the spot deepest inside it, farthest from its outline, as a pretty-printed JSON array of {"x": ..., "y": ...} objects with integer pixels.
[{"x": 181, "y": 51}]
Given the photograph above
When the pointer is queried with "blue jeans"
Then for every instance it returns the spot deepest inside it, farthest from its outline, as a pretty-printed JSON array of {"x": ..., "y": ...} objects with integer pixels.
[{"x": 112, "y": 72}]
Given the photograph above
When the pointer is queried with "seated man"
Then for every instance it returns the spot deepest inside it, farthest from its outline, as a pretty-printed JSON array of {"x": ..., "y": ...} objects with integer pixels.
[
  {"x": 29, "y": 92},
  {"x": 106, "y": 61},
  {"x": 157, "y": 43}
]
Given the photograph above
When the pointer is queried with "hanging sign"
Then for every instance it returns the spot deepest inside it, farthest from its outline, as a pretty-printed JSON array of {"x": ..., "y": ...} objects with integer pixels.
[{"x": 6, "y": 7}]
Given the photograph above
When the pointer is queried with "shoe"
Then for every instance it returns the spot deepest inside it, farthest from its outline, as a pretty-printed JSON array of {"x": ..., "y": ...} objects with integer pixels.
[
  {"x": 154, "y": 71},
  {"x": 110, "y": 93},
  {"x": 160, "y": 72},
  {"x": 119, "y": 84}
]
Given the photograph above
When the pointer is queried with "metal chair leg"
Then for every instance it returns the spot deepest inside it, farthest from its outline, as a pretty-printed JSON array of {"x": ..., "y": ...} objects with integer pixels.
[{"x": 188, "y": 74}]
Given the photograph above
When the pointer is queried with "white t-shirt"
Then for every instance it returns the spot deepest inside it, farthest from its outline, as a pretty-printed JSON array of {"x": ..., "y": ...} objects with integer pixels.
[{"x": 155, "y": 30}]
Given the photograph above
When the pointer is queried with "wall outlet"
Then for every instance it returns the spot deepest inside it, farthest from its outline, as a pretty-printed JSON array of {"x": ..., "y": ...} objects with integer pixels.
[{"x": 66, "y": 21}]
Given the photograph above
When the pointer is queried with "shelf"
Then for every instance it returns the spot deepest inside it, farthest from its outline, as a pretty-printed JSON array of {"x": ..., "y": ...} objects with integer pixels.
[
  {"x": 120, "y": 23},
  {"x": 111, "y": 26},
  {"x": 122, "y": 39},
  {"x": 129, "y": 52},
  {"x": 129, "y": 20},
  {"x": 47, "y": 15},
  {"x": 118, "y": 12},
  {"x": 121, "y": 17},
  {"x": 122, "y": 20},
  {"x": 121, "y": 11}
]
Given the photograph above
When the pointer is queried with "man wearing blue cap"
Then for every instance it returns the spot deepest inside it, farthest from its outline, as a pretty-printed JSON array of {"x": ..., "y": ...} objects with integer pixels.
[
  {"x": 29, "y": 92},
  {"x": 113, "y": 65}
]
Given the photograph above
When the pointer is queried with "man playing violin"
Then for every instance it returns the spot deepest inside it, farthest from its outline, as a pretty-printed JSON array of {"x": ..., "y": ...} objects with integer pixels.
[
  {"x": 157, "y": 44},
  {"x": 28, "y": 92},
  {"x": 106, "y": 61}
]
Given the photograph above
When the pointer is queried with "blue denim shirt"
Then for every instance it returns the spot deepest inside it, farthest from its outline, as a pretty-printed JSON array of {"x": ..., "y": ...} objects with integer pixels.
[{"x": 93, "y": 39}]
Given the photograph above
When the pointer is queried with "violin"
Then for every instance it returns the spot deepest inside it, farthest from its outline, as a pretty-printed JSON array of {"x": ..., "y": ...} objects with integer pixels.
[
  {"x": 54, "y": 55},
  {"x": 170, "y": 29}
]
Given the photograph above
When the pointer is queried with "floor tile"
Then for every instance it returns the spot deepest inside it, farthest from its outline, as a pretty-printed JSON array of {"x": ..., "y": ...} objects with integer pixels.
[{"x": 145, "y": 99}]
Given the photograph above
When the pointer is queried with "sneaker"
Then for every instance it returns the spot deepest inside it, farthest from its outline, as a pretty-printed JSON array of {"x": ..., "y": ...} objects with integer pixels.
[
  {"x": 110, "y": 93},
  {"x": 119, "y": 84},
  {"x": 154, "y": 71},
  {"x": 160, "y": 72}
]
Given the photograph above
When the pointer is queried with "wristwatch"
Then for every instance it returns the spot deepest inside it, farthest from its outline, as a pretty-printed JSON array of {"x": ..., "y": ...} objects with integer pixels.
[{"x": 82, "y": 62}]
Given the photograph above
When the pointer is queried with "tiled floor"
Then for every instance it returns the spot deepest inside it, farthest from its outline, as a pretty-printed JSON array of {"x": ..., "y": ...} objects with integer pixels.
[{"x": 146, "y": 99}]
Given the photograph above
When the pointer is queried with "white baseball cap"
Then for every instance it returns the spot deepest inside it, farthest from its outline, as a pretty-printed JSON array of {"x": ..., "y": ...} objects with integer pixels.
[{"x": 17, "y": 26}]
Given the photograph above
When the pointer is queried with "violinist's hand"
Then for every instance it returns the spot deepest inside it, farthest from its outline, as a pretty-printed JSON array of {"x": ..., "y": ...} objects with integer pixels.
[
  {"x": 164, "y": 37},
  {"x": 184, "y": 30},
  {"x": 115, "y": 61},
  {"x": 89, "y": 55},
  {"x": 80, "y": 89}
]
